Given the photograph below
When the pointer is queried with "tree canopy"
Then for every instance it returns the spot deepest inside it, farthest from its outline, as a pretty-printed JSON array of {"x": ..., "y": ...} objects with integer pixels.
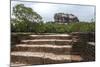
[
  {"x": 25, "y": 14},
  {"x": 24, "y": 18}
]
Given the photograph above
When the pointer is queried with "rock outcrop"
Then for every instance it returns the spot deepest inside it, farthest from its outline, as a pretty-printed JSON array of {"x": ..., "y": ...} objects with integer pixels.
[{"x": 65, "y": 18}]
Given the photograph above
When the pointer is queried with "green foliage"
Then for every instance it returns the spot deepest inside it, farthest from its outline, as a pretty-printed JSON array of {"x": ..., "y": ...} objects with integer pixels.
[
  {"x": 27, "y": 20},
  {"x": 53, "y": 27},
  {"x": 25, "y": 14},
  {"x": 81, "y": 27}
]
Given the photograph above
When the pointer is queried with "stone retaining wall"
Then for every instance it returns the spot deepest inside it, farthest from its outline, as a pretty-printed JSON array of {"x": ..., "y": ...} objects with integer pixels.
[{"x": 87, "y": 51}]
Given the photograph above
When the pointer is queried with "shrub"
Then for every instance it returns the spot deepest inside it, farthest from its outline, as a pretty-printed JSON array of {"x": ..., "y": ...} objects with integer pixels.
[{"x": 53, "y": 27}]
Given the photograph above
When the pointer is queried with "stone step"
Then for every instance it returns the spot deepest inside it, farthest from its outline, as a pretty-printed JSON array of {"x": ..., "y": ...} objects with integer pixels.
[
  {"x": 61, "y": 36},
  {"x": 65, "y": 49},
  {"x": 47, "y": 41},
  {"x": 44, "y": 45},
  {"x": 76, "y": 58},
  {"x": 35, "y": 60},
  {"x": 91, "y": 43},
  {"x": 17, "y": 64},
  {"x": 51, "y": 56},
  {"x": 31, "y": 58},
  {"x": 65, "y": 35}
]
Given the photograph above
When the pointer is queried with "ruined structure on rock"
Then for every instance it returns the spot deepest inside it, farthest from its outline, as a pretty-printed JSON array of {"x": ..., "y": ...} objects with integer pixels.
[{"x": 65, "y": 18}]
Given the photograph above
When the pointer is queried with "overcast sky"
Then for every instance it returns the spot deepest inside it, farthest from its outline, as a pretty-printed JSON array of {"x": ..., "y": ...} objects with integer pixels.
[{"x": 47, "y": 10}]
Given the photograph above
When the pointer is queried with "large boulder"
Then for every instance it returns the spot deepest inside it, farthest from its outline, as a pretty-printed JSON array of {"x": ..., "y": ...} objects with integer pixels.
[{"x": 65, "y": 18}]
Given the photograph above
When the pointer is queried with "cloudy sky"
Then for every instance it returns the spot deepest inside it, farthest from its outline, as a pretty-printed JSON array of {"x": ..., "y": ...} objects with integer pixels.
[{"x": 47, "y": 10}]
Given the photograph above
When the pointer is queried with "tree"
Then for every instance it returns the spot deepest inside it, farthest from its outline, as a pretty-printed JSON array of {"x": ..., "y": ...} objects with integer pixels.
[
  {"x": 25, "y": 14},
  {"x": 24, "y": 19}
]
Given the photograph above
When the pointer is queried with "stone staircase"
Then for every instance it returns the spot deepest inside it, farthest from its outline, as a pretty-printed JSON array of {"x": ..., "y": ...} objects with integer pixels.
[{"x": 44, "y": 49}]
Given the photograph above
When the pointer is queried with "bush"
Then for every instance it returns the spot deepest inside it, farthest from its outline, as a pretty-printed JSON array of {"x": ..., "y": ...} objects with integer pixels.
[
  {"x": 53, "y": 27},
  {"x": 81, "y": 27}
]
